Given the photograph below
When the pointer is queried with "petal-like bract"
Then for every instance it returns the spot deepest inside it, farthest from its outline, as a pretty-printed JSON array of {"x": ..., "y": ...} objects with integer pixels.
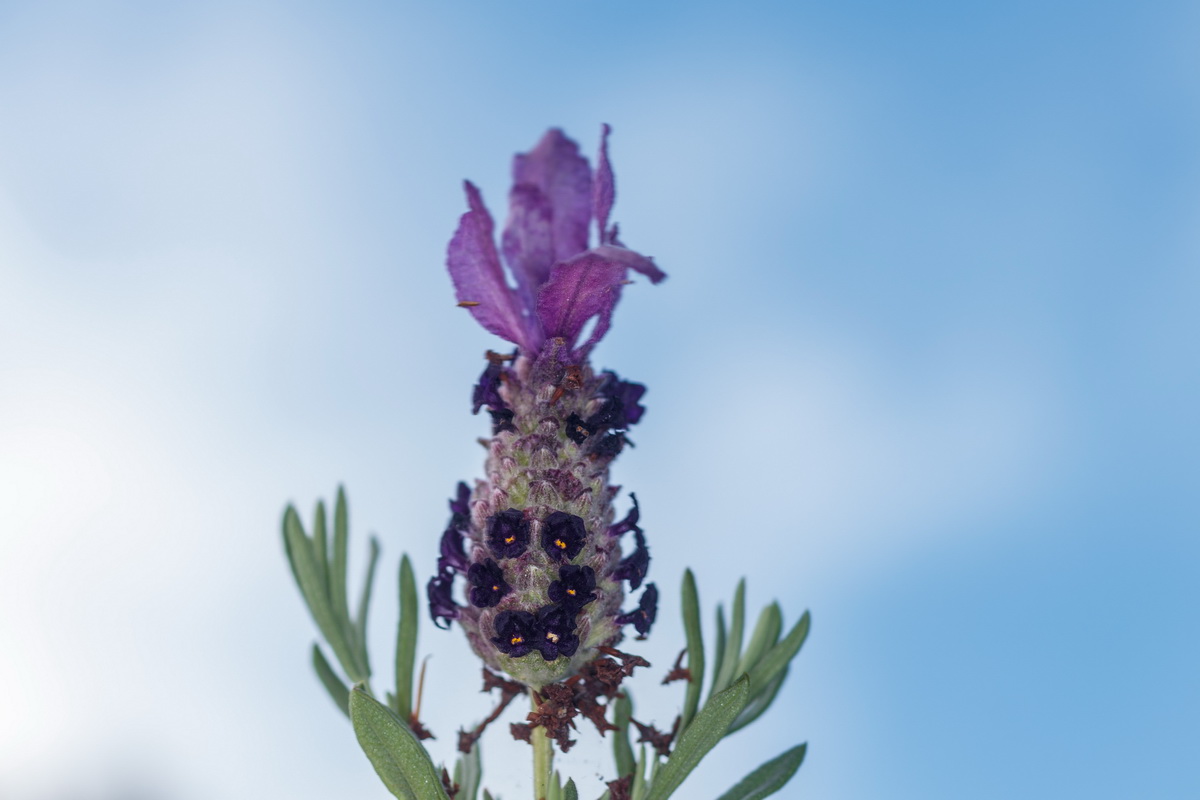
[
  {"x": 587, "y": 286},
  {"x": 556, "y": 167},
  {"x": 479, "y": 277}
]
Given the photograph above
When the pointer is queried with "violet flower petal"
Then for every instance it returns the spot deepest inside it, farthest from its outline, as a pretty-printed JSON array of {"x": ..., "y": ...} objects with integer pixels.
[
  {"x": 603, "y": 190},
  {"x": 528, "y": 241},
  {"x": 556, "y": 167},
  {"x": 628, "y": 258},
  {"x": 479, "y": 277},
  {"x": 586, "y": 286}
]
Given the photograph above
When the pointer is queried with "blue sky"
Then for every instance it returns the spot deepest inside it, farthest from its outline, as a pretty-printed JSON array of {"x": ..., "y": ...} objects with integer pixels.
[{"x": 926, "y": 364}]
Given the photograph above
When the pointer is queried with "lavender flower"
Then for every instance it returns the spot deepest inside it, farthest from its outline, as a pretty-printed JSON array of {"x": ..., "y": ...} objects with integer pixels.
[{"x": 536, "y": 539}]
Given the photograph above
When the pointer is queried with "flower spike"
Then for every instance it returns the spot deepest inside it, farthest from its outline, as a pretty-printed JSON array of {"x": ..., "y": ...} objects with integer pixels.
[{"x": 536, "y": 540}]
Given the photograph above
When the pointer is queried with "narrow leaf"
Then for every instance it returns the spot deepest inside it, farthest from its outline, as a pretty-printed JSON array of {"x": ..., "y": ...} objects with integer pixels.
[
  {"x": 304, "y": 567},
  {"x": 638, "y": 787},
  {"x": 554, "y": 790},
  {"x": 733, "y": 646},
  {"x": 320, "y": 544},
  {"x": 701, "y": 736},
  {"x": 394, "y": 751},
  {"x": 766, "y": 634},
  {"x": 759, "y": 703},
  {"x": 695, "y": 648},
  {"x": 364, "y": 604},
  {"x": 569, "y": 791},
  {"x": 719, "y": 650},
  {"x": 779, "y": 656},
  {"x": 622, "y": 749},
  {"x": 406, "y": 639},
  {"x": 472, "y": 774},
  {"x": 333, "y": 684},
  {"x": 337, "y": 582},
  {"x": 769, "y": 778}
]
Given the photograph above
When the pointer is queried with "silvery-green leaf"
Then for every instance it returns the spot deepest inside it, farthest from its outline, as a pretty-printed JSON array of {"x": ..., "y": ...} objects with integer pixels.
[
  {"x": 364, "y": 603},
  {"x": 398, "y": 758},
  {"x": 569, "y": 791},
  {"x": 695, "y": 648},
  {"x": 759, "y": 703},
  {"x": 333, "y": 684},
  {"x": 701, "y": 736},
  {"x": 622, "y": 749},
  {"x": 766, "y": 634},
  {"x": 638, "y": 787},
  {"x": 337, "y": 584},
  {"x": 406, "y": 639},
  {"x": 471, "y": 774},
  {"x": 308, "y": 577},
  {"x": 719, "y": 650},
  {"x": 733, "y": 645},
  {"x": 778, "y": 657},
  {"x": 769, "y": 778},
  {"x": 320, "y": 544}
]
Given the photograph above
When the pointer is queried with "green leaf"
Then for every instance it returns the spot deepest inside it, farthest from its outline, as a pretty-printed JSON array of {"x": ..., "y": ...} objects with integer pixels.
[
  {"x": 759, "y": 703},
  {"x": 394, "y": 751},
  {"x": 486, "y": 795},
  {"x": 320, "y": 545},
  {"x": 695, "y": 648},
  {"x": 733, "y": 646},
  {"x": 638, "y": 787},
  {"x": 622, "y": 749},
  {"x": 569, "y": 791},
  {"x": 554, "y": 790},
  {"x": 333, "y": 684},
  {"x": 470, "y": 774},
  {"x": 779, "y": 656},
  {"x": 769, "y": 778},
  {"x": 308, "y": 577},
  {"x": 364, "y": 603},
  {"x": 406, "y": 639},
  {"x": 766, "y": 634},
  {"x": 701, "y": 736},
  {"x": 337, "y": 584},
  {"x": 719, "y": 650}
]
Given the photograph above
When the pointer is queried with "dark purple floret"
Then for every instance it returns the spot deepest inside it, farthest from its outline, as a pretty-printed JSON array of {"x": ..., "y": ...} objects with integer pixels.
[
  {"x": 487, "y": 584},
  {"x": 460, "y": 504},
  {"x": 556, "y": 629},
  {"x": 508, "y": 533},
  {"x": 628, "y": 393},
  {"x": 516, "y": 633},
  {"x": 577, "y": 429},
  {"x": 630, "y": 523},
  {"x": 611, "y": 414},
  {"x": 609, "y": 445},
  {"x": 487, "y": 390},
  {"x": 442, "y": 607},
  {"x": 453, "y": 555},
  {"x": 633, "y": 567},
  {"x": 574, "y": 588},
  {"x": 502, "y": 420},
  {"x": 642, "y": 617},
  {"x": 563, "y": 535}
]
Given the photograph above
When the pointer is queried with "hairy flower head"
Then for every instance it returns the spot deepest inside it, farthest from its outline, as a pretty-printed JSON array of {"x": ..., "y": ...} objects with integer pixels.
[{"x": 535, "y": 540}]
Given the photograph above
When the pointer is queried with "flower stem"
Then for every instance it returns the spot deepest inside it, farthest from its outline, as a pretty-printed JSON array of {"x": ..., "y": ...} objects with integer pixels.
[{"x": 543, "y": 758}]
